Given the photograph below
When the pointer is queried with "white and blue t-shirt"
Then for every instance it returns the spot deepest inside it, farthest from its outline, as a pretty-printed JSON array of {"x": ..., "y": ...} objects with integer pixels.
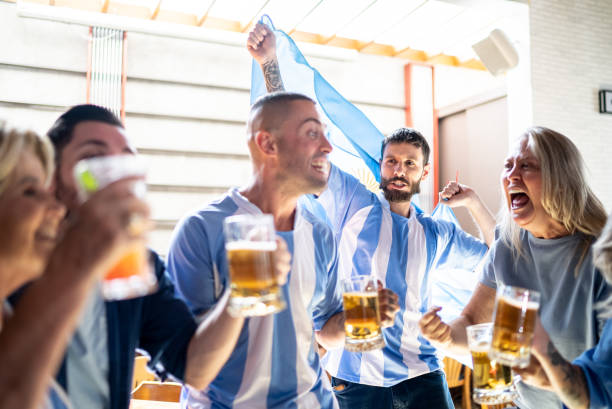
[
  {"x": 403, "y": 253},
  {"x": 275, "y": 362}
]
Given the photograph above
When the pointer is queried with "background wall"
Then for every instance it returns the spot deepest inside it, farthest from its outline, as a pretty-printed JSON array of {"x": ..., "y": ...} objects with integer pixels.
[
  {"x": 571, "y": 50},
  {"x": 186, "y": 102}
]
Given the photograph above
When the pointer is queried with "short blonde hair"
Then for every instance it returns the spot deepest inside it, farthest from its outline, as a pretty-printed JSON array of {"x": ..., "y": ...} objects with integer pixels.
[
  {"x": 13, "y": 142},
  {"x": 566, "y": 196}
]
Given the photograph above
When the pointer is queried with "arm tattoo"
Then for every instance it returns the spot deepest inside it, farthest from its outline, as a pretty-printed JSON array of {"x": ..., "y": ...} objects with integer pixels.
[
  {"x": 573, "y": 391},
  {"x": 274, "y": 81}
]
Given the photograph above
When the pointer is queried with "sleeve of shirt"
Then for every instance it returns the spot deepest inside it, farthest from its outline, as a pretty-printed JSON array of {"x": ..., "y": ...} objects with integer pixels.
[
  {"x": 487, "y": 275},
  {"x": 167, "y": 324},
  {"x": 345, "y": 195},
  {"x": 459, "y": 250},
  {"x": 191, "y": 265},
  {"x": 603, "y": 302},
  {"x": 596, "y": 365},
  {"x": 331, "y": 302}
]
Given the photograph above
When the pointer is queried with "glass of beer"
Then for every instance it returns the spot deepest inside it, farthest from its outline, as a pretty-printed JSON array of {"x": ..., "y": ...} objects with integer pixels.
[
  {"x": 250, "y": 242},
  {"x": 361, "y": 314},
  {"x": 514, "y": 321},
  {"x": 493, "y": 382},
  {"x": 132, "y": 276}
]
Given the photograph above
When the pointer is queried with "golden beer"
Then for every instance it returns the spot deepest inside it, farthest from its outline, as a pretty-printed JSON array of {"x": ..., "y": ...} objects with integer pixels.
[
  {"x": 361, "y": 314},
  {"x": 251, "y": 268},
  {"x": 250, "y": 247},
  {"x": 493, "y": 382},
  {"x": 489, "y": 374},
  {"x": 513, "y": 331}
]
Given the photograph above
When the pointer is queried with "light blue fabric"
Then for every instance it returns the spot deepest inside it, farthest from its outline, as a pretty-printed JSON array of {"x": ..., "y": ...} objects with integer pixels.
[
  {"x": 87, "y": 362},
  {"x": 567, "y": 296},
  {"x": 596, "y": 364},
  {"x": 403, "y": 253},
  {"x": 274, "y": 363}
]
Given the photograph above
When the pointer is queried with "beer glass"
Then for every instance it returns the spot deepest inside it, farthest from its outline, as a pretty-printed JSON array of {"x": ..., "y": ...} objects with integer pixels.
[
  {"x": 493, "y": 382},
  {"x": 514, "y": 321},
  {"x": 132, "y": 276},
  {"x": 362, "y": 314},
  {"x": 250, "y": 242}
]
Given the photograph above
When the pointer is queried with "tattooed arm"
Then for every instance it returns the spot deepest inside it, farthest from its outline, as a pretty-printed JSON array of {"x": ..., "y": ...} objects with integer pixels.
[
  {"x": 567, "y": 379},
  {"x": 262, "y": 46},
  {"x": 549, "y": 370}
]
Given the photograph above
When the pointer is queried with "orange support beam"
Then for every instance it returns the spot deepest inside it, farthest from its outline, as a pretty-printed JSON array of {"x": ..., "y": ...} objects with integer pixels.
[{"x": 410, "y": 119}]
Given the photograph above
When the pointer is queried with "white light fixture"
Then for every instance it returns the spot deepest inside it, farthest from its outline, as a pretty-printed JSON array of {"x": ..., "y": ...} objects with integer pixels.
[{"x": 497, "y": 52}]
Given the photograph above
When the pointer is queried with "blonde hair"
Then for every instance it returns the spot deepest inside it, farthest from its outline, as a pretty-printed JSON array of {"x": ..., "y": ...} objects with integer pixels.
[
  {"x": 13, "y": 142},
  {"x": 566, "y": 196}
]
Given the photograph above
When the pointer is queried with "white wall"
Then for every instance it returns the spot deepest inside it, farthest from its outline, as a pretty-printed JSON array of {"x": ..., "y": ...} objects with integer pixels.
[
  {"x": 186, "y": 102},
  {"x": 571, "y": 49}
]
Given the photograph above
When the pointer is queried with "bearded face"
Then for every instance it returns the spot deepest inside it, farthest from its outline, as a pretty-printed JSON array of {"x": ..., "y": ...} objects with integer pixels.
[{"x": 399, "y": 189}]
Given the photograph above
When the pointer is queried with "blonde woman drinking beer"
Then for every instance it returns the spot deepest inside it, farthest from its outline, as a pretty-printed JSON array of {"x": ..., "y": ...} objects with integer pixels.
[{"x": 544, "y": 243}]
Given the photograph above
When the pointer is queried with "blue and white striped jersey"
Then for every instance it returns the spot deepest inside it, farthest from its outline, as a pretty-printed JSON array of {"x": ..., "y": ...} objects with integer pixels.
[
  {"x": 275, "y": 362},
  {"x": 404, "y": 254}
]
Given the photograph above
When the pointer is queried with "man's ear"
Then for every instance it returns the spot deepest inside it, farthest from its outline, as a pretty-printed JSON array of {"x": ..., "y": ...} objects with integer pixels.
[
  {"x": 425, "y": 171},
  {"x": 266, "y": 142}
]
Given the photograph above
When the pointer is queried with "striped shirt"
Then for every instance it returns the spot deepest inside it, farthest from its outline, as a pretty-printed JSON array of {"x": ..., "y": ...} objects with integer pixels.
[
  {"x": 403, "y": 253},
  {"x": 275, "y": 362}
]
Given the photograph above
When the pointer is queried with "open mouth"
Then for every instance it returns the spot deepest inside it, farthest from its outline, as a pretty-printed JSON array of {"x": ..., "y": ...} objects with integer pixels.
[
  {"x": 321, "y": 166},
  {"x": 518, "y": 199},
  {"x": 397, "y": 185},
  {"x": 46, "y": 236}
]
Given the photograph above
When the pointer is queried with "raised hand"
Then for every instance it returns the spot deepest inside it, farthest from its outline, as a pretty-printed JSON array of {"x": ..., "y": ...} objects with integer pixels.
[
  {"x": 261, "y": 44},
  {"x": 433, "y": 328},
  {"x": 456, "y": 195}
]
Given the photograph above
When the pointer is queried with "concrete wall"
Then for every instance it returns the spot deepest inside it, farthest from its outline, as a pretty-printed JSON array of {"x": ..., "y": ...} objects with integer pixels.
[{"x": 571, "y": 49}]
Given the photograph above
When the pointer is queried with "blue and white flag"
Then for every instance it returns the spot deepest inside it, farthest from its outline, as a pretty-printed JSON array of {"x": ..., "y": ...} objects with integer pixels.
[{"x": 355, "y": 139}]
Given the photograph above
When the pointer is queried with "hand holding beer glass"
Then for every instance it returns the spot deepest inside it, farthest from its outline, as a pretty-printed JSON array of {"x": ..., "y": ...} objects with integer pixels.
[
  {"x": 514, "y": 322},
  {"x": 362, "y": 326},
  {"x": 250, "y": 244},
  {"x": 493, "y": 382},
  {"x": 132, "y": 275}
]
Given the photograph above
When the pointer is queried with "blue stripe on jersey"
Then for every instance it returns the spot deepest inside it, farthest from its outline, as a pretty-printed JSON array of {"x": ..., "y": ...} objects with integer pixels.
[
  {"x": 396, "y": 279},
  {"x": 284, "y": 334},
  {"x": 428, "y": 354},
  {"x": 368, "y": 238}
]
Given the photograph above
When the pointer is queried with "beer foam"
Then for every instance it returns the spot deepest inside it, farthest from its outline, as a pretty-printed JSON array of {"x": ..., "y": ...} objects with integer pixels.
[
  {"x": 531, "y": 305},
  {"x": 251, "y": 245},
  {"x": 480, "y": 347}
]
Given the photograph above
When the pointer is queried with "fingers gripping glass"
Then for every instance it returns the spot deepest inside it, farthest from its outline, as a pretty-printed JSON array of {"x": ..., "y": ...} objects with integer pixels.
[{"x": 132, "y": 276}]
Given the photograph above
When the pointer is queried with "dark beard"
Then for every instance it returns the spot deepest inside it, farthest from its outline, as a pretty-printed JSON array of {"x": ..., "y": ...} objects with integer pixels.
[{"x": 399, "y": 195}]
